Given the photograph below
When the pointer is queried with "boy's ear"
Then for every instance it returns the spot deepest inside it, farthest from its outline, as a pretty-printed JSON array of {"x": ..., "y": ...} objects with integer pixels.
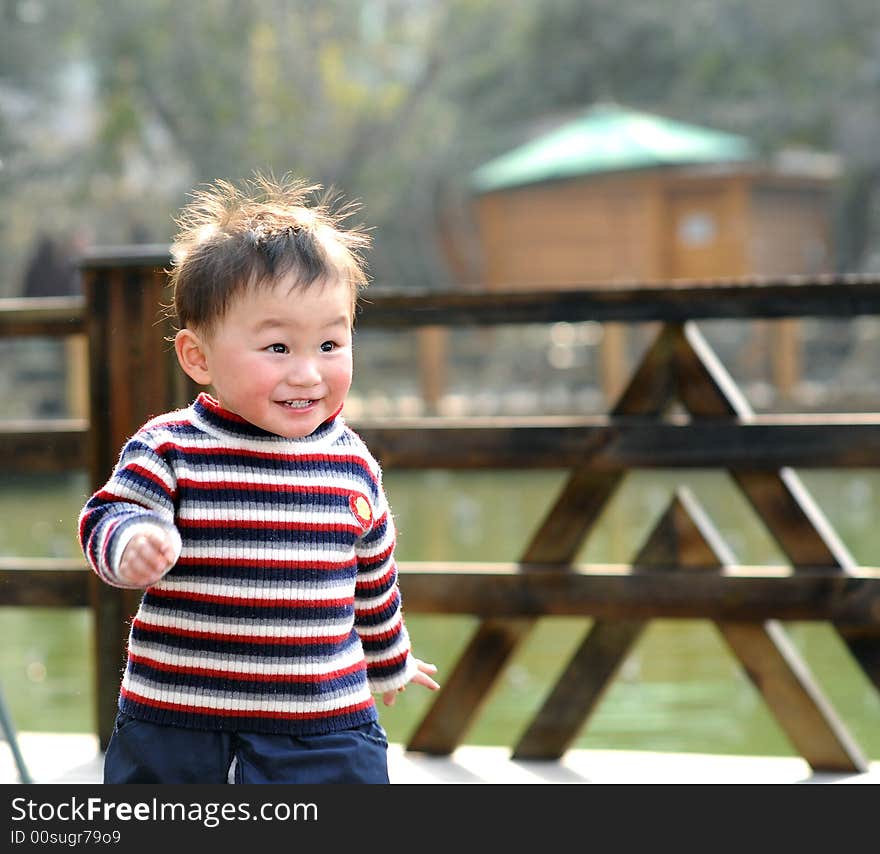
[{"x": 191, "y": 355}]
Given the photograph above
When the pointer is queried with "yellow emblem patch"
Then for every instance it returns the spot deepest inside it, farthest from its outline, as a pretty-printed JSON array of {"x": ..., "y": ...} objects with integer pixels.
[{"x": 361, "y": 509}]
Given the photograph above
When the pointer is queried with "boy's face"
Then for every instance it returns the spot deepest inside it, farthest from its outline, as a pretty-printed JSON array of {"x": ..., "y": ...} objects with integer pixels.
[{"x": 280, "y": 358}]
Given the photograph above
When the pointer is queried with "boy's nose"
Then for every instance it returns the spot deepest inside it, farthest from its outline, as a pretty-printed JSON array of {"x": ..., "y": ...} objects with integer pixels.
[{"x": 303, "y": 372}]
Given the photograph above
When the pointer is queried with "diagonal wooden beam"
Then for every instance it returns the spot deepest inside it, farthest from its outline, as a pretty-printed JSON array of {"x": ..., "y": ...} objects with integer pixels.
[
  {"x": 579, "y": 690},
  {"x": 465, "y": 690},
  {"x": 702, "y": 383},
  {"x": 863, "y": 643},
  {"x": 651, "y": 388},
  {"x": 795, "y": 520},
  {"x": 780, "y": 674},
  {"x": 675, "y": 540}
]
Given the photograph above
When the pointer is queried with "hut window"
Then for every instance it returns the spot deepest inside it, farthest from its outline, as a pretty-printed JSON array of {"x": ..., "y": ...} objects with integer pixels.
[{"x": 697, "y": 229}]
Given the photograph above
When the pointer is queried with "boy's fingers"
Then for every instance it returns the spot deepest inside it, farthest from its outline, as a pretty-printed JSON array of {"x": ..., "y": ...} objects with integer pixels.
[{"x": 427, "y": 681}]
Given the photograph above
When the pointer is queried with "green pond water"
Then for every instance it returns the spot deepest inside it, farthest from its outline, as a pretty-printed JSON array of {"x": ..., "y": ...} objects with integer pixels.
[{"x": 679, "y": 689}]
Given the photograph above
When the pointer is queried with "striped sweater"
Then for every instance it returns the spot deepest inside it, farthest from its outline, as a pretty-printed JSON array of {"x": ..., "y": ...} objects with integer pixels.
[{"x": 282, "y": 613}]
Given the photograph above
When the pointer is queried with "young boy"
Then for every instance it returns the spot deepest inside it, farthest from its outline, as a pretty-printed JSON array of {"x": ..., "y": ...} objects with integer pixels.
[{"x": 255, "y": 519}]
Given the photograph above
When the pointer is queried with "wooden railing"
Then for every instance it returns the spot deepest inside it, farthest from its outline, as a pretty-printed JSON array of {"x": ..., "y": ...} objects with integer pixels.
[{"x": 683, "y": 569}]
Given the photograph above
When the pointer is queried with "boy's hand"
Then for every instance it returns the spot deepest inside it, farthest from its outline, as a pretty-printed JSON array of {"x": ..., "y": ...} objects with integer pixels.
[
  {"x": 146, "y": 558},
  {"x": 421, "y": 677}
]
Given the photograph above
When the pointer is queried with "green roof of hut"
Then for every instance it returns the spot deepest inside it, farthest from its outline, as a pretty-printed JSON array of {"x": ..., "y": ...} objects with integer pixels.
[{"x": 608, "y": 138}]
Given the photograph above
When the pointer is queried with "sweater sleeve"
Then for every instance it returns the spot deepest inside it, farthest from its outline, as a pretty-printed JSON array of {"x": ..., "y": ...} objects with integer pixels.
[
  {"x": 139, "y": 496},
  {"x": 378, "y": 605}
]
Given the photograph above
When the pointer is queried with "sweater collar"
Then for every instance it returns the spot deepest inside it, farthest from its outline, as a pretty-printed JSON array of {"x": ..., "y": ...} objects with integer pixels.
[{"x": 235, "y": 430}]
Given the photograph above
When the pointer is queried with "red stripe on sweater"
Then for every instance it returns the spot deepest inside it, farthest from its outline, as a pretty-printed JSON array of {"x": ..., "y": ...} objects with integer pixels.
[
  {"x": 171, "y": 593},
  {"x": 262, "y": 486},
  {"x": 381, "y": 636},
  {"x": 260, "y": 562},
  {"x": 389, "y": 662},
  {"x": 380, "y": 557}
]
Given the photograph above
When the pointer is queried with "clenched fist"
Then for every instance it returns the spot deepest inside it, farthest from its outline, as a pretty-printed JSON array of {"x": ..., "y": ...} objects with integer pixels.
[{"x": 146, "y": 558}]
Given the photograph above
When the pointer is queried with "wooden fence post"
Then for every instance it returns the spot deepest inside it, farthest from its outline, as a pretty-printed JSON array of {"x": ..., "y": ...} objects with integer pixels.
[{"x": 130, "y": 378}]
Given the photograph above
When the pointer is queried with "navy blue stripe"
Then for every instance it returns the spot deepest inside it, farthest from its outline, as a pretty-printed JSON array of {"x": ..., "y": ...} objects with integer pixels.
[
  {"x": 241, "y": 610},
  {"x": 349, "y": 683},
  {"x": 368, "y": 565},
  {"x": 380, "y": 645},
  {"x": 280, "y": 651},
  {"x": 378, "y": 617},
  {"x": 267, "y": 536}
]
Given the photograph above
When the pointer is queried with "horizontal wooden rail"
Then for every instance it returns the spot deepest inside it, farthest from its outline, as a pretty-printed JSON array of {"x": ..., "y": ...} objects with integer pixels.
[
  {"x": 621, "y": 591},
  {"x": 606, "y": 591},
  {"x": 615, "y": 444},
  {"x": 607, "y": 444},
  {"x": 629, "y": 302},
  {"x": 47, "y": 446},
  {"x": 130, "y": 256},
  {"x": 51, "y": 317},
  {"x": 44, "y": 582}
]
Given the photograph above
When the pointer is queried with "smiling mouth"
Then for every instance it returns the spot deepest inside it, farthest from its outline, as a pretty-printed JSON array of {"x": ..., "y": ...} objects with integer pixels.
[{"x": 297, "y": 404}]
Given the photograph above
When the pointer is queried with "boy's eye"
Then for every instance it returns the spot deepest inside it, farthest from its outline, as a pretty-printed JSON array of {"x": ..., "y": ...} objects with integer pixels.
[
  {"x": 277, "y": 348},
  {"x": 328, "y": 347}
]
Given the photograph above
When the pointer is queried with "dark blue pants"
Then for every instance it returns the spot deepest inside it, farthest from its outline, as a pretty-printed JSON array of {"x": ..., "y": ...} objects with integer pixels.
[{"x": 142, "y": 752}]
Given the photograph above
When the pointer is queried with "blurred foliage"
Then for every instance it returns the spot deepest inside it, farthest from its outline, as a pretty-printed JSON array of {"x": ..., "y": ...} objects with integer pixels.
[{"x": 111, "y": 111}]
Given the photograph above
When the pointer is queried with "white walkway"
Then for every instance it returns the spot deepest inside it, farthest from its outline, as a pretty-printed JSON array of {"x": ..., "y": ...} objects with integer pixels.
[{"x": 60, "y": 758}]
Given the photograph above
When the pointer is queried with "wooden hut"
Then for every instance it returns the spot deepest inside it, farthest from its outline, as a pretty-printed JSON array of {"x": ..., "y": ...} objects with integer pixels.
[{"x": 618, "y": 194}]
